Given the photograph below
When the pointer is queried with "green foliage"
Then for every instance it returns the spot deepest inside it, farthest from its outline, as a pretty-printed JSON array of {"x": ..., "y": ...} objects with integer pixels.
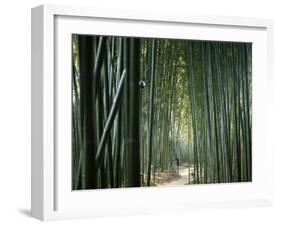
[{"x": 195, "y": 107}]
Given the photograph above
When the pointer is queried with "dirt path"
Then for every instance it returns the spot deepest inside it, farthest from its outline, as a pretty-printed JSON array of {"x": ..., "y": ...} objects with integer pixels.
[{"x": 182, "y": 180}]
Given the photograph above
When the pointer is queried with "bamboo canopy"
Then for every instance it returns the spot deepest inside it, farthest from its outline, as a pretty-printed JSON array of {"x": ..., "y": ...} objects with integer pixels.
[{"x": 143, "y": 107}]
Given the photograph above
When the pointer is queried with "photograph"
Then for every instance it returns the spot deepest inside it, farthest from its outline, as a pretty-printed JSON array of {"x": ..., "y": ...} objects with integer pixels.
[{"x": 158, "y": 112}]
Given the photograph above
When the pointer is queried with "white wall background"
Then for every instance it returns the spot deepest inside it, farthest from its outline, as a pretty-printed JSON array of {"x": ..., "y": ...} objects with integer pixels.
[{"x": 15, "y": 112}]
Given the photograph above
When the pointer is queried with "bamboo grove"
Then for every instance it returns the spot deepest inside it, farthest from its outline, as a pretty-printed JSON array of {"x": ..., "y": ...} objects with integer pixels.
[{"x": 141, "y": 106}]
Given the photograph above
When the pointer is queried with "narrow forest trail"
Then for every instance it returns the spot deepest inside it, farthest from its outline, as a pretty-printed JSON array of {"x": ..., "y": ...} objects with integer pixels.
[{"x": 182, "y": 180}]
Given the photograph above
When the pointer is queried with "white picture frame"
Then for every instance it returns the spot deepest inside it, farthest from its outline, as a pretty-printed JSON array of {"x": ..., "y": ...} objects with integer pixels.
[{"x": 52, "y": 197}]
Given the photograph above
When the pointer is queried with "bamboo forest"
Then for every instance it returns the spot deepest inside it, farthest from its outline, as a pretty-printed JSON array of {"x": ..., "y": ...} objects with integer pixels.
[{"x": 160, "y": 112}]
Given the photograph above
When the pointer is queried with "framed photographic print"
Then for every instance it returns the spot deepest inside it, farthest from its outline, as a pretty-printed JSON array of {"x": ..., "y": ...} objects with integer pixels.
[{"x": 135, "y": 112}]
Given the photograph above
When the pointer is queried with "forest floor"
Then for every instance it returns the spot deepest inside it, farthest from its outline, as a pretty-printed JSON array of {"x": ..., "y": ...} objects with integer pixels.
[
  {"x": 174, "y": 179},
  {"x": 181, "y": 180}
]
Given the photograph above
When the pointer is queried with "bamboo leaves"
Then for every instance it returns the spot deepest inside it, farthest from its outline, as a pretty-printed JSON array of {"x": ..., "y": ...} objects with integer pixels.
[{"x": 194, "y": 114}]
